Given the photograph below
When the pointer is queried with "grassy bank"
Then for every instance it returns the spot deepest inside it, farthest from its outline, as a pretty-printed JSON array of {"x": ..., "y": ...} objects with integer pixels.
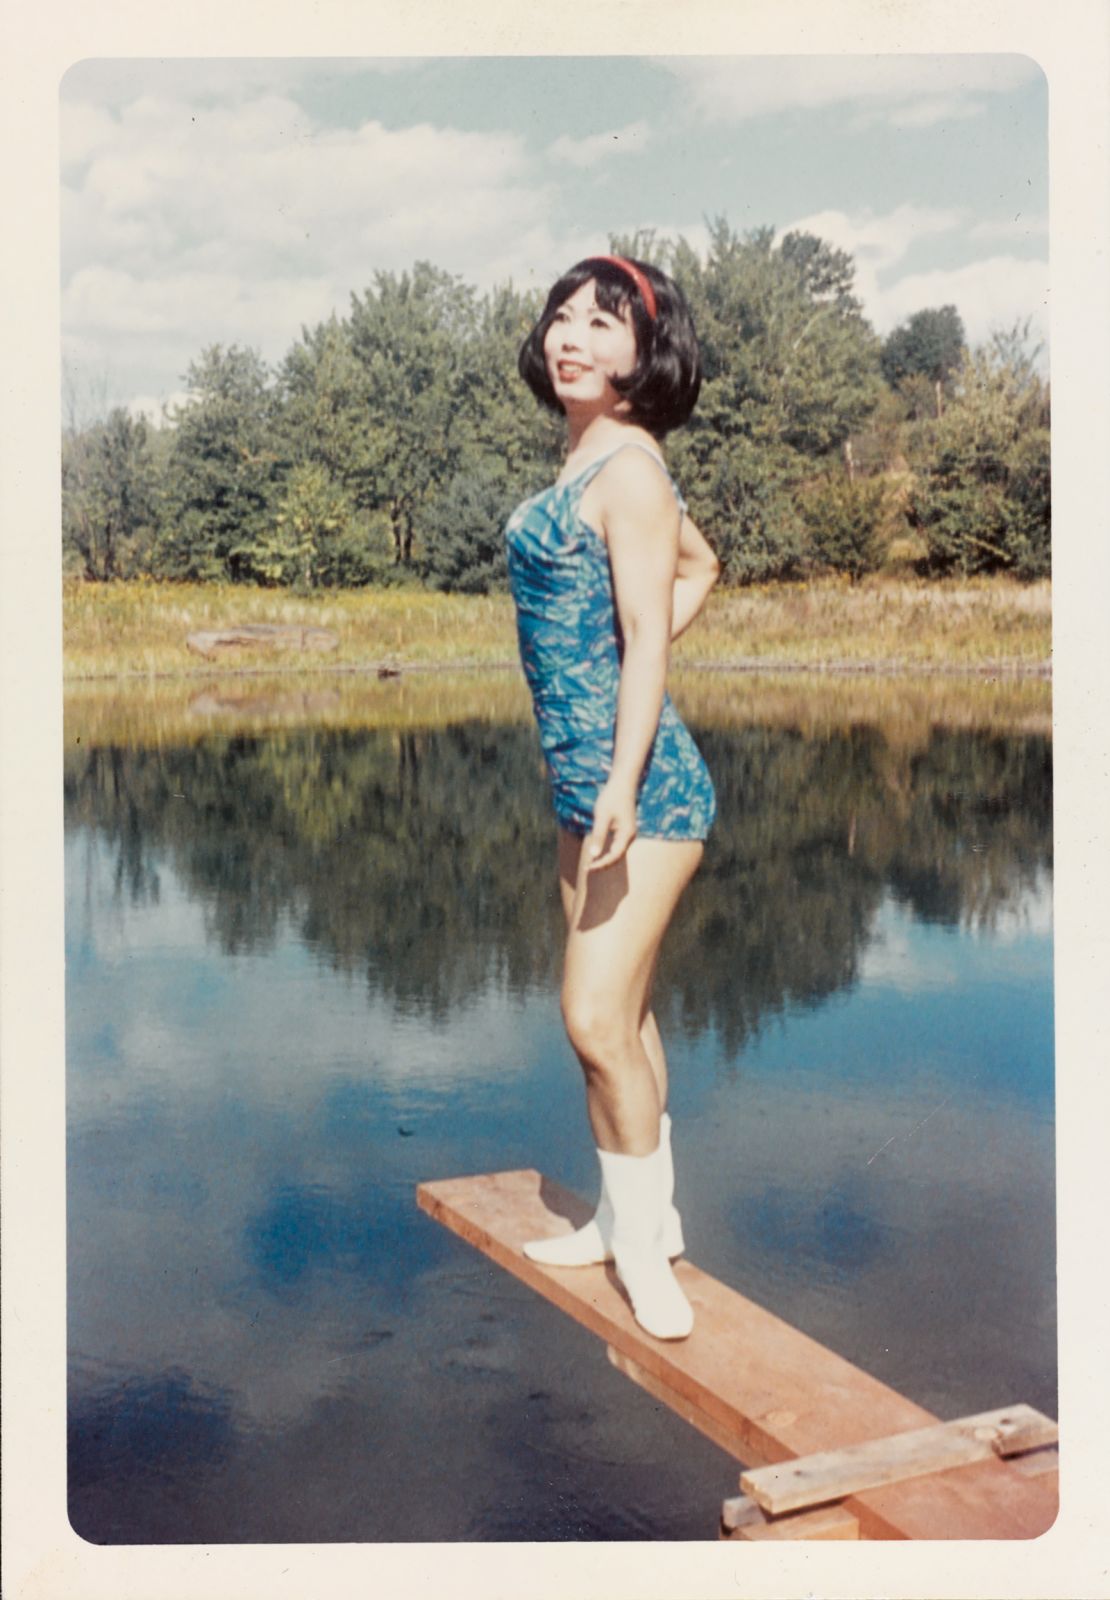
[
  {"x": 178, "y": 710},
  {"x": 128, "y": 629}
]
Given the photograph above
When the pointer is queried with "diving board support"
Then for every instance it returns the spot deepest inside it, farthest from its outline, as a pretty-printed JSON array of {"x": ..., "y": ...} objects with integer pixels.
[
  {"x": 813, "y": 1480},
  {"x": 742, "y": 1518},
  {"x": 757, "y": 1387}
]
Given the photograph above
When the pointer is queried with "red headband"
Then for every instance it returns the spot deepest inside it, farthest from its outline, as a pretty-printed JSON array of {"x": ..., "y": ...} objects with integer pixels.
[{"x": 647, "y": 293}]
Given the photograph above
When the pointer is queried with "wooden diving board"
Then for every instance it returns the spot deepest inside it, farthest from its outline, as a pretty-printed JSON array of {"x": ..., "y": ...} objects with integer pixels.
[{"x": 759, "y": 1388}]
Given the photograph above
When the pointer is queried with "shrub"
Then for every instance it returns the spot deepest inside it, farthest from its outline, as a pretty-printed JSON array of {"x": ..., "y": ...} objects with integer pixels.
[
  {"x": 316, "y": 538},
  {"x": 846, "y": 523},
  {"x": 982, "y": 498}
]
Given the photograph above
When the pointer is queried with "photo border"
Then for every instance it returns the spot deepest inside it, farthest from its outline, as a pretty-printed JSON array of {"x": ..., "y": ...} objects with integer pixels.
[{"x": 42, "y": 1556}]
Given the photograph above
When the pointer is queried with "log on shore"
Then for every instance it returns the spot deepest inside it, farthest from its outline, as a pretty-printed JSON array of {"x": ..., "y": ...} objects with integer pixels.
[{"x": 211, "y": 642}]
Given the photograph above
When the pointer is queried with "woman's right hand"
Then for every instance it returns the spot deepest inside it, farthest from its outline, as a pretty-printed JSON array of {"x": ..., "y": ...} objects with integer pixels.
[{"x": 614, "y": 825}]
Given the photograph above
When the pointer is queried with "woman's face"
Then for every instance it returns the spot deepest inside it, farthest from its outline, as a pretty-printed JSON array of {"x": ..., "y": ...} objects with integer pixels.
[{"x": 584, "y": 347}]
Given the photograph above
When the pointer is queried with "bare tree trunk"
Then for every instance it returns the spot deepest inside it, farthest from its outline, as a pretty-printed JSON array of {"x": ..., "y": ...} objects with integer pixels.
[
  {"x": 940, "y": 399},
  {"x": 849, "y": 460}
]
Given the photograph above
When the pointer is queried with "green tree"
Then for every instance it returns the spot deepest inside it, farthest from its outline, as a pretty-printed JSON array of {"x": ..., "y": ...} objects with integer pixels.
[
  {"x": 462, "y": 529},
  {"x": 982, "y": 500},
  {"x": 323, "y": 428},
  {"x": 791, "y": 369},
  {"x": 827, "y": 273},
  {"x": 506, "y": 447},
  {"x": 109, "y": 494},
  {"x": 499, "y": 420},
  {"x": 926, "y": 349},
  {"x": 409, "y": 336},
  {"x": 223, "y": 473},
  {"x": 321, "y": 411},
  {"x": 414, "y": 409}
]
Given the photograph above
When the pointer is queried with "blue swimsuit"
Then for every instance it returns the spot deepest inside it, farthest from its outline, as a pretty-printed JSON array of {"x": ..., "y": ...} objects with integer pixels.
[{"x": 570, "y": 648}]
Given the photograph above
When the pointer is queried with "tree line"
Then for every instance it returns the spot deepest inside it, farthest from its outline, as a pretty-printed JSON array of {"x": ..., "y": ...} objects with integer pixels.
[{"x": 391, "y": 444}]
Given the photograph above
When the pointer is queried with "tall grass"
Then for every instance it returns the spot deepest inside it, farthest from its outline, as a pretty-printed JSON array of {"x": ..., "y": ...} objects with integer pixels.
[
  {"x": 882, "y": 622},
  {"x": 140, "y": 628}
]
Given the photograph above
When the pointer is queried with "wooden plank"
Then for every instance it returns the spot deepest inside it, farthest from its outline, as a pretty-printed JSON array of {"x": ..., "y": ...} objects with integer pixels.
[
  {"x": 1021, "y": 1429},
  {"x": 834, "y": 1474},
  {"x": 1037, "y": 1463},
  {"x": 741, "y": 1512},
  {"x": 744, "y": 1375},
  {"x": 742, "y": 1518},
  {"x": 683, "y": 1405}
]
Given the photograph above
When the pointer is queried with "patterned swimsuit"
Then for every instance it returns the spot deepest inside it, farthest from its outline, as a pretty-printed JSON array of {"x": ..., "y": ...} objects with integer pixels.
[{"x": 570, "y": 648}]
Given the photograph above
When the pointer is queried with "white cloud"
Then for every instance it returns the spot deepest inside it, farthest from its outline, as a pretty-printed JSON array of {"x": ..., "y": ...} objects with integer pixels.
[
  {"x": 1019, "y": 227},
  {"x": 878, "y": 241},
  {"x": 213, "y": 78},
  {"x": 927, "y": 113},
  {"x": 187, "y": 223},
  {"x": 629, "y": 140},
  {"x": 993, "y": 292},
  {"x": 85, "y": 129},
  {"x": 202, "y": 204},
  {"x": 917, "y": 88},
  {"x": 877, "y": 244},
  {"x": 106, "y": 302},
  {"x": 261, "y": 177},
  {"x": 989, "y": 295}
]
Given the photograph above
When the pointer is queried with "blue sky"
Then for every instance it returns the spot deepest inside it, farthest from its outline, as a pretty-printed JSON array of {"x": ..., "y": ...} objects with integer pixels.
[{"x": 232, "y": 201}]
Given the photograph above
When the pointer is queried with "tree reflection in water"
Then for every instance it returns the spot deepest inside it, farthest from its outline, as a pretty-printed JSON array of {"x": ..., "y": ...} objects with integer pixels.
[{"x": 424, "y": 858}]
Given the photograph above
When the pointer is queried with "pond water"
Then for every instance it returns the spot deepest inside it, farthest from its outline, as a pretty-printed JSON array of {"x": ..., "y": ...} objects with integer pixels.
[{"x": 312, "y": 954}]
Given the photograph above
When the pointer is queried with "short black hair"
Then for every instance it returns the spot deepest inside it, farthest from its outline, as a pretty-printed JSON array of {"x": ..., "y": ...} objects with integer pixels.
[{"x": 662, "y": 388}]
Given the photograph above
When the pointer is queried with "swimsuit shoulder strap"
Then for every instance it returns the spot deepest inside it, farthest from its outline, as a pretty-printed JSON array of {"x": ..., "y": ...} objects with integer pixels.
[{"x": 584, "y": 478}]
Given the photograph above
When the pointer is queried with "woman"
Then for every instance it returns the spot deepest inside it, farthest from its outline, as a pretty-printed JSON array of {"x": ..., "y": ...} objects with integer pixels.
[{"x": 606, "y": 568}]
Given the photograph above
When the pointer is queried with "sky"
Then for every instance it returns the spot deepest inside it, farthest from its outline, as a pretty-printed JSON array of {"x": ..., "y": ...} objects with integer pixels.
[{"x": 236, "y": 201}]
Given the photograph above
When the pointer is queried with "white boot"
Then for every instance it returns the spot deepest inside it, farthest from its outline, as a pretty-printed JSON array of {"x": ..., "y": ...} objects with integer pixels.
[
  {"x": 634, "y": 1185},
  {"x": 673, "y": 1242},
  {"x": 592, "y": 1243},
  {"x": 586, "y": 1246}
]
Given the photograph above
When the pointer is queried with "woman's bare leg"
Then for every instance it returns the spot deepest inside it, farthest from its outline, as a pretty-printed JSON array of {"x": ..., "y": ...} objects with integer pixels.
[
  {"x": 653, "y": 1046},
  {"x": 617, "y": 920},
  {"x": 570, "y": 850}
]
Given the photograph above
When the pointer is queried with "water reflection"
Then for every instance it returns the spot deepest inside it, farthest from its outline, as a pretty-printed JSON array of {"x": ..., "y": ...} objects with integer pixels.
[
  {"x": 419, "y": 857},
  {"x": 311, "y": 965}
]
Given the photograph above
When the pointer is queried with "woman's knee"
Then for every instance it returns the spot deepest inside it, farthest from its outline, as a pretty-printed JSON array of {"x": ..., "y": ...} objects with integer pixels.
[{"x": 602, "y": 1036}]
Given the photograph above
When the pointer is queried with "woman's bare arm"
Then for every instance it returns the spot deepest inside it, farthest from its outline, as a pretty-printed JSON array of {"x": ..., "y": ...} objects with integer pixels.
[
  {"x": 697, "y": 571},
  {"x": 640, "y": 522}
]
